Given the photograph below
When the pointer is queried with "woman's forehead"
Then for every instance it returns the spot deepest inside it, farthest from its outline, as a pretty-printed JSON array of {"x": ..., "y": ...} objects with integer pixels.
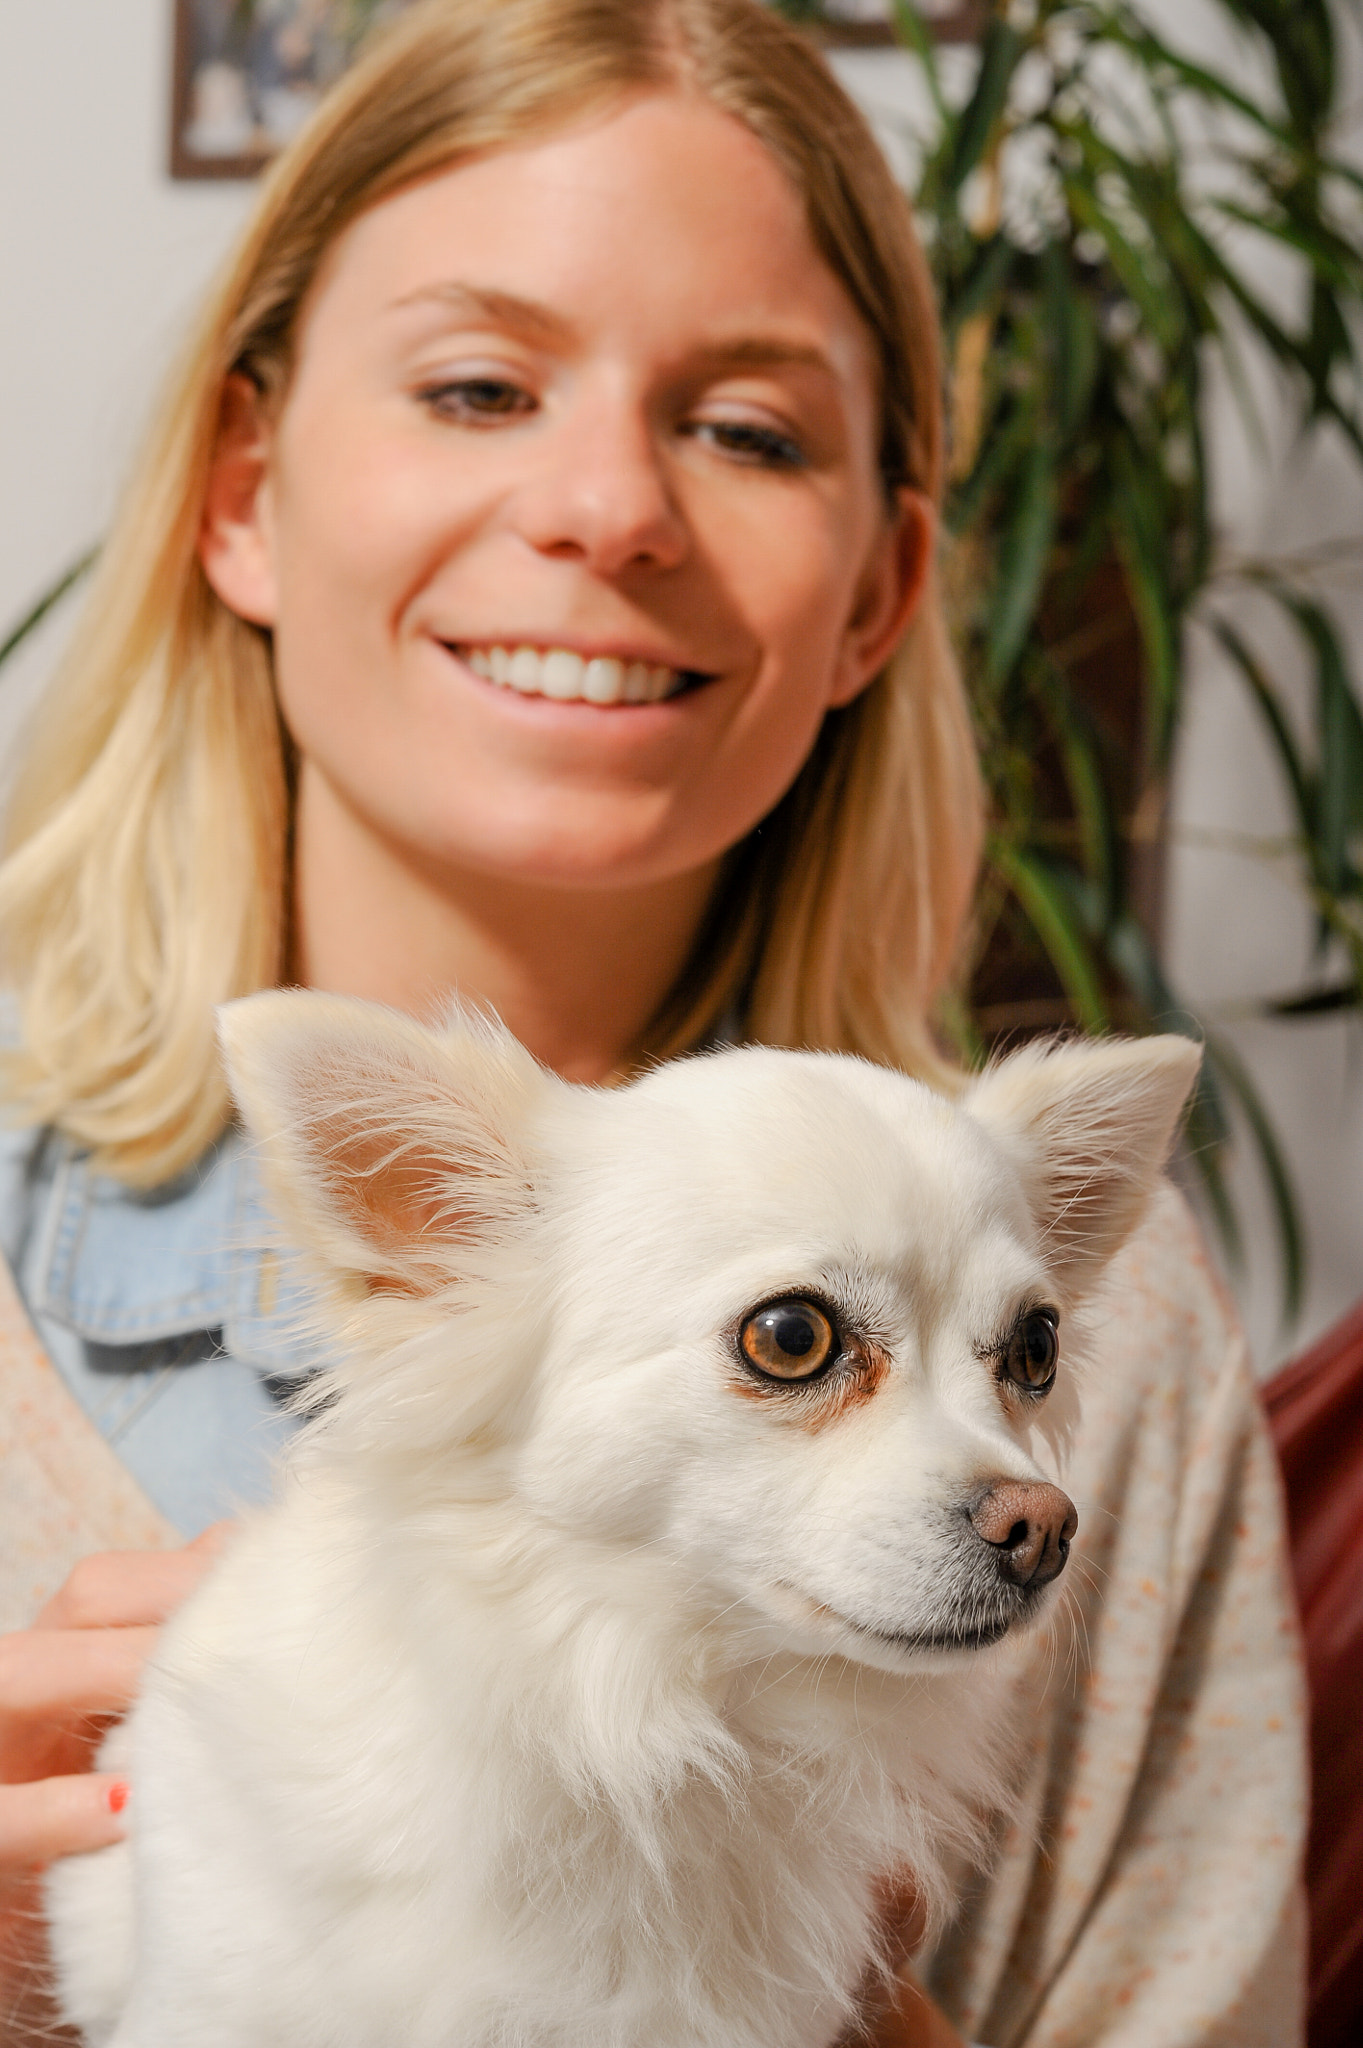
[{"x": 663, "y": 206}]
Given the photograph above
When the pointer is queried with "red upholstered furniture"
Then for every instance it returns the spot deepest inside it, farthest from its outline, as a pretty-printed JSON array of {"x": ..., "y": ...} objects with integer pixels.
[{"x": 1315, "y": 1407}]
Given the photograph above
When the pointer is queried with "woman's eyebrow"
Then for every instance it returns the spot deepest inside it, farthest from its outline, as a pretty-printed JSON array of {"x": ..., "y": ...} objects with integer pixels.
[
  {"x": 540, "y": 323},
  {"x": 503, "y": 309},
  {"x": 766, "y": 352}
]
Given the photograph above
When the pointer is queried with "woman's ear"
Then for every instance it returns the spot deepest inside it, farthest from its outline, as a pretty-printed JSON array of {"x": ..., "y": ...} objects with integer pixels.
[
  {"x": 236, "y": 536},
  {"x": 891, "y": 589}
]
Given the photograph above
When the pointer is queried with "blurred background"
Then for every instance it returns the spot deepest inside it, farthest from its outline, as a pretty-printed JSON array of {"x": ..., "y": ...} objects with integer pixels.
[{"x": 1147, "y": 229}]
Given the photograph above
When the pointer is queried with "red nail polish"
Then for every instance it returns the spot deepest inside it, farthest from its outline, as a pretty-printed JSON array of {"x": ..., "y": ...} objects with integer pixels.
[{"x": 118, "y": 1795}]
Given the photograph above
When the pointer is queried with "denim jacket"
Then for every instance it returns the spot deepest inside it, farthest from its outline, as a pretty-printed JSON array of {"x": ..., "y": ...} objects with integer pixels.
[{"x": 167, "y": 1313}]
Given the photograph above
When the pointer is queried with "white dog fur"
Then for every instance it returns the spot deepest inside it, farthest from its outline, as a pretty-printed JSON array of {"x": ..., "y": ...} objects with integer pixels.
[{"x": 561, "y": 1700}]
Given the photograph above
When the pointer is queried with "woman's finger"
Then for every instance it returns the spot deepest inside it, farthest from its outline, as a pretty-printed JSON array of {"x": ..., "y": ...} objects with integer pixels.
[
  {"x": 59, "y": 1817},
  {"x": 60, "y": 1676},
  {"x": 132, "y": 1588},
  {"x": 901, "y": 2015}
]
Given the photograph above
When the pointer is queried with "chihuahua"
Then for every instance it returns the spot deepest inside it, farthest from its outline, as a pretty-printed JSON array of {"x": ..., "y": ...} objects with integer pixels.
[{"x": 641, "y": 1594}]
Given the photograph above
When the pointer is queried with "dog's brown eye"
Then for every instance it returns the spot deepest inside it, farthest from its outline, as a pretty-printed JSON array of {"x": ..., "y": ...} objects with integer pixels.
[
  {"x": 788, "y": 1340},
  {"x": 1033, "y": 1349}
]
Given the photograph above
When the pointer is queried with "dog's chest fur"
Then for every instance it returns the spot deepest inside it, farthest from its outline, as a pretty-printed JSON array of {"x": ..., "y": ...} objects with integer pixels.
[{"x": 359, "y": 1834}]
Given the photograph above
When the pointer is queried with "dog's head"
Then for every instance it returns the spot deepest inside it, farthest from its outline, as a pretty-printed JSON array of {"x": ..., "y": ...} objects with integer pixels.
[{"x": 791, "y": 1322}]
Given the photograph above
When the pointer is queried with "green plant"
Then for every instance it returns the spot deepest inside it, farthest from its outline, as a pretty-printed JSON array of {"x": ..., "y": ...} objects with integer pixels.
[
  {"x": 38, "y": 611},
  {"x": 1091, "y": 205}
]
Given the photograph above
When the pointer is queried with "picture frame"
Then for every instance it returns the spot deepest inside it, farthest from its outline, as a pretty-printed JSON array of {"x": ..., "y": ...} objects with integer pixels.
[{"x": 247, "y": 73}]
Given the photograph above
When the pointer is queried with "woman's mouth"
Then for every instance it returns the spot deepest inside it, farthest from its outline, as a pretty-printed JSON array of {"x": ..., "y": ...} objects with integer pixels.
[{"x": 568, "y": 678}]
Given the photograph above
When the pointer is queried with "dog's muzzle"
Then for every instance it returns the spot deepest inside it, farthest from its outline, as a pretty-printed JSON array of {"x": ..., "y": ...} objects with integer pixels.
[{"x": 1007, "y": 1542}]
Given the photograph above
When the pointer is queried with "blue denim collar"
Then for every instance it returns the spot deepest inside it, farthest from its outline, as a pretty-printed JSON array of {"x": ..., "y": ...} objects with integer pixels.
[{"x": 126, "y": 1267}]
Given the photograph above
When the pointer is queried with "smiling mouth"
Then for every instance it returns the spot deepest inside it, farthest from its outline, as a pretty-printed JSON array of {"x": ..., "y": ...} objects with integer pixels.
[{"x": 568, "y": 678}]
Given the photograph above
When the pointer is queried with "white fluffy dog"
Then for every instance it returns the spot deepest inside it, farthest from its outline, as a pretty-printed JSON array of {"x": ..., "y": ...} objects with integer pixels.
[{"x": 626, "y": 1611}]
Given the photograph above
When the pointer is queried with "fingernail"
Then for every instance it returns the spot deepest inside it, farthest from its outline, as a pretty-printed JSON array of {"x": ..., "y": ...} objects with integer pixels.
[{"x": 118, "y": 1795}]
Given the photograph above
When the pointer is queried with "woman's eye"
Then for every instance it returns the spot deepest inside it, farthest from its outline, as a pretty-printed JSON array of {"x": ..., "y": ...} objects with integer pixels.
[
  {"x": 746, "y": 441},
  {"x": 1033, "y": 1350},
  {"x": 477, "y": 401},
  {"x": 788, "y": 1340}
]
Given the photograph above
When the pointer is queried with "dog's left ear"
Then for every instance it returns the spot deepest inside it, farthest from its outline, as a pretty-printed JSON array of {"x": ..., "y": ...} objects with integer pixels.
[
  {"x": 389, "y": 1150},
  {"x": 1088, "y": 1128}
]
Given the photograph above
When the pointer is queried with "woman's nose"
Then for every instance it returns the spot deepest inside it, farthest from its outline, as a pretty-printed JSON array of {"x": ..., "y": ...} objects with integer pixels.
[{"x": 601, "y": 493}]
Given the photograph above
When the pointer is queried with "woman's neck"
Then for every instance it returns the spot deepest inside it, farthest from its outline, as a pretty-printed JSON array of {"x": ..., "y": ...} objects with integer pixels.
[{"x": 577, "y": 974}]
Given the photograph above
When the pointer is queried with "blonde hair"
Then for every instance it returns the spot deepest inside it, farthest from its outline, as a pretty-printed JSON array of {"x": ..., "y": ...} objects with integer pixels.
[{"x": 148, "y": 855}]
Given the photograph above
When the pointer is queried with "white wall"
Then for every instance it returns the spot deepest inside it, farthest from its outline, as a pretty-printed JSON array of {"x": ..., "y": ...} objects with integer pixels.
[{"x": 101, "y": 257}]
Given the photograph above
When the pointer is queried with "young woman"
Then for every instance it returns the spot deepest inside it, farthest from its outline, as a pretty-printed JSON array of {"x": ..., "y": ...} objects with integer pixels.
[{"x": 529, "y": 591}]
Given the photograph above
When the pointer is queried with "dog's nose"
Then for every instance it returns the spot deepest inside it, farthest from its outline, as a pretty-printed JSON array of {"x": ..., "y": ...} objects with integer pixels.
[{"x": 1029, "y": 1525}]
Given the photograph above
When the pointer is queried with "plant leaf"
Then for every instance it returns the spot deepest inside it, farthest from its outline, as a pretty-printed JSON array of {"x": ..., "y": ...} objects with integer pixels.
[
  {"x": 1233, "y": 1072},
  {"x": 1339, "y": 816},
  {"x": 983, "y": 282},
  {"x": 914, "y": 31},
  {"x": 1205, "y": 1132},
  {"x": 1087, "y": 786},
  {"x": 52, "y": 596},
  {"x": 1022, "y": 560},
  {"x": 999, "y": 54},
  {"x": 1264, "y": 695},
  {"x": 1053, "y": 916},
  {"x": 1329, "y": 254},
  {"x": 1142, "y": 542},
  {"x": 1317, "y": 1002},
  {"x": 1074, "y": 340},
  {"x": 1151, "y": 52},
  {"x": 1138, "y": 276}
]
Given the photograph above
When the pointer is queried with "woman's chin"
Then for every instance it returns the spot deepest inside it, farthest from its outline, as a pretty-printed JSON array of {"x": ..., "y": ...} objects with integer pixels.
[
  {"x": 571, "y": 864},
  {"x": 506, "y": 834}
]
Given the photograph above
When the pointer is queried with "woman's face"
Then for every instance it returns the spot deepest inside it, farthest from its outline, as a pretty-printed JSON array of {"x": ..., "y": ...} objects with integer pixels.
[{"x": 570, "y": 530}]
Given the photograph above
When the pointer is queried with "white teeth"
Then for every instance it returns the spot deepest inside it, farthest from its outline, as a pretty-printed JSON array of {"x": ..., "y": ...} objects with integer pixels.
[
  {"x": 524, "y": 672},
  {"x": 604, "y": 682},
  {"x": 561, "y": 673},
  {"x": 558, "y": 672}
]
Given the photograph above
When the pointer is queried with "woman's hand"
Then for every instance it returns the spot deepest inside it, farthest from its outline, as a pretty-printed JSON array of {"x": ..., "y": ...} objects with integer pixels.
[
  {"x": 897, "y": 2012},
  {"x": 63, "y": 1682},
  {"x": 905, "y": 2017}
]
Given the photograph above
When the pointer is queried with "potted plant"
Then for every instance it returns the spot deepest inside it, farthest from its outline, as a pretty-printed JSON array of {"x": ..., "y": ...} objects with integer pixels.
[{"x": 1085, "y": 192}]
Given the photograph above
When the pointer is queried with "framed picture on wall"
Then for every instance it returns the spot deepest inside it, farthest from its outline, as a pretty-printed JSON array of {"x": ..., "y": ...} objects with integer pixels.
[{"x": 247, "y": 74}]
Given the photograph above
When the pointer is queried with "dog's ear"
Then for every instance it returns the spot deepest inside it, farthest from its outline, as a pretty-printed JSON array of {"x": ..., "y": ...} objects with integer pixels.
[
  {"x": 388, "y": 1149},
  {"x": 1088, "y": 1128}
]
